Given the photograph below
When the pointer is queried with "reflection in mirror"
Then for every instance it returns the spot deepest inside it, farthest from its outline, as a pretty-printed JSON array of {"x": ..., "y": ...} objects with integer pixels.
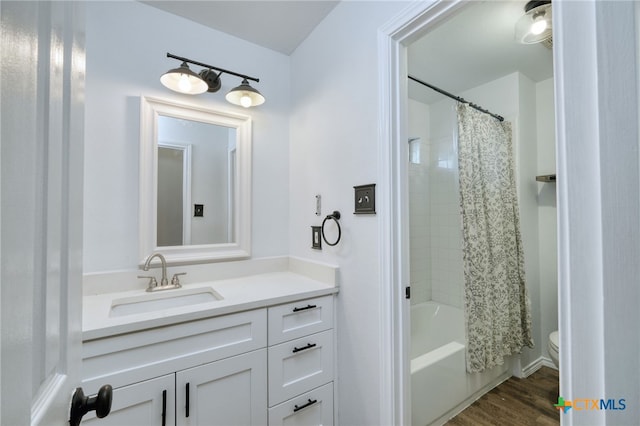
[
  {"x": 195, "y": 167},
  {"x": 203, "y": 179},
  {"x": 174, "y": 226}
]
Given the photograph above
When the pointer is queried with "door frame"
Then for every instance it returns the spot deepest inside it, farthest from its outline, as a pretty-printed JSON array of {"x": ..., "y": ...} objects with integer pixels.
[
  {"x": 393, "y": 37},
  {"x": 598, "y": 231}
]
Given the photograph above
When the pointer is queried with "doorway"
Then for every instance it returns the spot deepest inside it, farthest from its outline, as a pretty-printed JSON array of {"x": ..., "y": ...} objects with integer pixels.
[{"x": 407, "y": 31}]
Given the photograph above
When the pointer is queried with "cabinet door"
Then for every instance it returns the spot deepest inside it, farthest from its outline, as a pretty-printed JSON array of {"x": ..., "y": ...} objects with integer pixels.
[
  {"x": 232, "y": 391},
  {"x": 151, "y": 402}
]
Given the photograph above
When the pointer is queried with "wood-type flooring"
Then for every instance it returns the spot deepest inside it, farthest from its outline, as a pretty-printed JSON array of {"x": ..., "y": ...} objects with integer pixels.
[{"x": 516, "y": 402}]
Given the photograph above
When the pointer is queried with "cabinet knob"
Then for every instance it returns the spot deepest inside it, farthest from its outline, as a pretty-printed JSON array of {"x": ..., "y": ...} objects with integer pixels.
[{"x": 81, "y": 404}]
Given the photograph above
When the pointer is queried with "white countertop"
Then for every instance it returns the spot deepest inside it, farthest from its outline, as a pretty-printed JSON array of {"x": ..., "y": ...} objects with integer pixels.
[{"x": 238, "y": 294}]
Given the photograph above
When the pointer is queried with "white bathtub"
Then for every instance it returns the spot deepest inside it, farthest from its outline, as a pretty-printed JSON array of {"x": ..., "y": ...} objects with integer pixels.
[{"x": 440, "y": 385}]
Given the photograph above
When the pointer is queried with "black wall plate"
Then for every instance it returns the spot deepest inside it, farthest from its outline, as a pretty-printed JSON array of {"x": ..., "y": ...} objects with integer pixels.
[
  {"x": 365, "y": 199},
  {"x": 316, "y": 237}
]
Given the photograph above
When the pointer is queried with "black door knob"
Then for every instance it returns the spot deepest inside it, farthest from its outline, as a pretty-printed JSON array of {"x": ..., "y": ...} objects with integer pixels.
[{"x": 81, "y": 404}]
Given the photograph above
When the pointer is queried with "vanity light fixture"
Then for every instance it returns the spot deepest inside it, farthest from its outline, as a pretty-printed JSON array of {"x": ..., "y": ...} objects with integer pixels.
[
  {"x": 245, "y": 95},
  {"x": 535, "y": 25},
  {"x": 183, "y": 80}
]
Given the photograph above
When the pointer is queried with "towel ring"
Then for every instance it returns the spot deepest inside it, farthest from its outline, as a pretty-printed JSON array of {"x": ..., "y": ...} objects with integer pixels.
[{"x": 335, "y": 216}]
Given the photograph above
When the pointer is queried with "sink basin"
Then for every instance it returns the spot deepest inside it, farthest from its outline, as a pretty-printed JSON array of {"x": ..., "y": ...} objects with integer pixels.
[{"x": 165, "y": 299}]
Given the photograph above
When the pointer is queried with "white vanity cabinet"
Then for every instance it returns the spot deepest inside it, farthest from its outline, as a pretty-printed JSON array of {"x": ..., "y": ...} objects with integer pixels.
[
  {"x": 301, "y": 363},
  {"x": 266, "y": 366},
  {"x": 222, "y": 358}
]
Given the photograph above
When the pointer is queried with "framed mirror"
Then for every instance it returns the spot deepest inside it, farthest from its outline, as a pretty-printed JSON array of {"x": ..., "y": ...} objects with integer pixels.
[{"x": 195, "y": 183}]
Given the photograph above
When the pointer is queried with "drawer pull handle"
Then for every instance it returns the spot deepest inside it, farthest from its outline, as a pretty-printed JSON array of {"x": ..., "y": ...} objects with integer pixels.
[
  {"x": 311, "y": 402},
  {"x": 164, "y": 407},
  {"x": 309, "y": 346},
  {"x": 304, "y": 308},
  {"x": 187, "y": 402}
]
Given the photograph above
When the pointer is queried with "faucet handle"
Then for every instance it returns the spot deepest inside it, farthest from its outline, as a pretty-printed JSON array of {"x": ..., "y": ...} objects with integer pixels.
[
  {"x": 152, "y": 281},
  {"x": 175, "y": 280}
]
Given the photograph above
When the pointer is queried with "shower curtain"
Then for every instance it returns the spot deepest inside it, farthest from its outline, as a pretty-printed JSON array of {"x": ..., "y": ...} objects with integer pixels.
[{"x": 497, "y": 307}]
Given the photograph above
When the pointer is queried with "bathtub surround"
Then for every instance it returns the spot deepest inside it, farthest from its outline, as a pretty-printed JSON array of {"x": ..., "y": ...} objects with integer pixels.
[
  {"x": 440, "y": 384},
  {"x": 435, "y": 227},
  {"x": 497, "y": 307},
  {"x": 529, "y": 107}
]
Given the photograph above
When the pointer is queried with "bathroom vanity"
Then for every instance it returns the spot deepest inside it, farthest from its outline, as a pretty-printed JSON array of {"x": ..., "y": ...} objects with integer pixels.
[{"x": 260, "y": 351}]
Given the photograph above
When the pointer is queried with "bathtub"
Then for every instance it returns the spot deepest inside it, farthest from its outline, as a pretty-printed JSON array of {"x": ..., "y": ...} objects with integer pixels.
[{"x": 440, "y": 385}]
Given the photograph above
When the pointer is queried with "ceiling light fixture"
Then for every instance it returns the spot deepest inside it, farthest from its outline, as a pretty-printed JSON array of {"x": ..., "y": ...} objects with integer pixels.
[
  {"x": 183, "y": 80},
  {"x": 535, "y": 25}
]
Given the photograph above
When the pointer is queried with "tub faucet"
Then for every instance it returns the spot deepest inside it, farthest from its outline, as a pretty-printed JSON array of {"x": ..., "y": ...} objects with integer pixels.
[{"x": 164, "y": 282}]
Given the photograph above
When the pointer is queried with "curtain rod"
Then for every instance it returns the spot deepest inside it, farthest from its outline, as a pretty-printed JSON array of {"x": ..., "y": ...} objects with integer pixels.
[{"x": 457, "y": 98}]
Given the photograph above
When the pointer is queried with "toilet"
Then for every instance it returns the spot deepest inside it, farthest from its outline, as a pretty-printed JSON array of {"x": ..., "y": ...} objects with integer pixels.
[{"x": 553, "y": 347}]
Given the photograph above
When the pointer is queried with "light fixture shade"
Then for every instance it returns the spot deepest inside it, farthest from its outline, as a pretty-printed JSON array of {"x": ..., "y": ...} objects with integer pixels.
[
  {"x": 245, "y": 95},
  {"x": 535, "y": 25},
  {"x": 183, "y": 80}
]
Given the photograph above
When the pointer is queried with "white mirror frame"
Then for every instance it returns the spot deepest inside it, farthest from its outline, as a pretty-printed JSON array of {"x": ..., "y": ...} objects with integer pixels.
[{"x": 150, "y": 109}]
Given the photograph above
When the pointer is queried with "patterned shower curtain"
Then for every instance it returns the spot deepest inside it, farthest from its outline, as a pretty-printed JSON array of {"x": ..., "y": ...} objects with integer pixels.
[{"x": 497, "y": 307}]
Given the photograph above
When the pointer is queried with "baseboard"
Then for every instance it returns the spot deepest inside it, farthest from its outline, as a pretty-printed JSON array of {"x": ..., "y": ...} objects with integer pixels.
[{"x": 537, "y": 365}]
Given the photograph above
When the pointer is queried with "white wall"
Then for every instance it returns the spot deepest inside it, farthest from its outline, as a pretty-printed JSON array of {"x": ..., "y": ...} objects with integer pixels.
[
  {"x": 547, "y": 211},
  {"x": 334, "y": 145},
  {"x": 526, "y": 152},
  {"x": 127, "y": 42}
]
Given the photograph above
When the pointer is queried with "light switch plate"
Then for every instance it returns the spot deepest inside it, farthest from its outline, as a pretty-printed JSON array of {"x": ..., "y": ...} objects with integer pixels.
[
  {"x": 316, "y": 237},
  {"x": 365, "y": 199}
]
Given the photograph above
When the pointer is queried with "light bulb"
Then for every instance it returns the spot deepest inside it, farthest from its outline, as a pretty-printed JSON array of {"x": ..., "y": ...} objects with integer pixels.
[
  {"x": 539, "y": 26},
  {"x": 184, "y": 84},
  {"x": 245, "y": 101}
]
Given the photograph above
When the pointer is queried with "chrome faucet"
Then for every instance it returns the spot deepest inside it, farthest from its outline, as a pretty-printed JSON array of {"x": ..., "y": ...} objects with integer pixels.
[{"x": 164, "y": 282}]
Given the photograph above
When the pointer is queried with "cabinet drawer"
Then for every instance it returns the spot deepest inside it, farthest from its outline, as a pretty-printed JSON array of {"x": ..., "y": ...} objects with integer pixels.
[
  {"x": 294, "y": 320},
  {"x": 133, "y": 357},
  {"x": 300, "y": 365},
  {"x": 311, "y": 408}
]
